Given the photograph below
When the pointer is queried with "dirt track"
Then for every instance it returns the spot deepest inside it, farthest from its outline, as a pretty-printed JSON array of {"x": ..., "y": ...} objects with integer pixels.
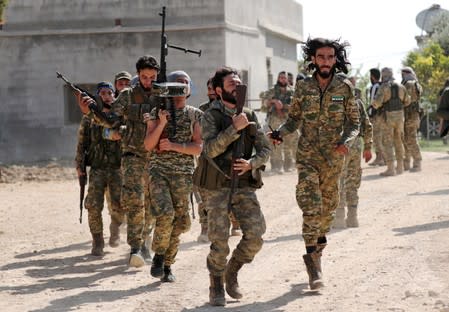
[{"x": 397, "y": 260}]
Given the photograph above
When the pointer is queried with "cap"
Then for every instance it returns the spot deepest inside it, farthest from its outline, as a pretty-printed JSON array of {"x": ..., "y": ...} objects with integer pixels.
[
  {"x": 176, "y": 74},
  {"x": 122, "y": 75},
  {"x": 104, "y": 84}
]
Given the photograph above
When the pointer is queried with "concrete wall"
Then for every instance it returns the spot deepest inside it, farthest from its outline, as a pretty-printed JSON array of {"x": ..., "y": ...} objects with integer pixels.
[{"x": 81, "y": 40}]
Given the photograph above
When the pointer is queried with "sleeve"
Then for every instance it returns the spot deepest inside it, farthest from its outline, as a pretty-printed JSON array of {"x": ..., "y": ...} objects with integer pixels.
[
  {"x": 367, "y": 128},
  {"x": 352, "y": 121},
  {"x": 83, "y": 140},
  {"x": 215, "y": 142}
]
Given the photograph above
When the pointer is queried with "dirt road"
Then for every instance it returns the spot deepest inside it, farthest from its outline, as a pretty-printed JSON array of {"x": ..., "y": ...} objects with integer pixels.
[{"x": 397, "y": 260}]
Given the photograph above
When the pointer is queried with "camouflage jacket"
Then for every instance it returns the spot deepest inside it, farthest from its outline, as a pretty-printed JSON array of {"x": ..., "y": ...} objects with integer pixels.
[
  {"x": 324, "y": 118},
  {"x": 101, "y": 153},
  {"x": 383, "y": 94},
  {"x": 277, "y": 93},
  {"x": 414, "y": 89},
  {"x": 171, "y": 162},
  {"x": 216, "y": 142},
  {"x": 366, "y": 128},
  {"x": 129, "y": 108}
]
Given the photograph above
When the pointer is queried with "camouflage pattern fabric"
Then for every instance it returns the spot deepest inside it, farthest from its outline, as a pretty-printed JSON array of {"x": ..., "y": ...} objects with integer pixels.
[
  {"x": 393, "y": 136},
  {"x": 149, "y": 219},
  {"x": 412, "y": 121},
  {"x": 324, "y": 120},
  {"x": 171, "y": 185},
  {"x": 377, "y": 121},
  {"x": 282, "y": 156},
  {"x": 100, "y": 181},
  {"x": 247, "y": 212},
  {"x": 133, "y": 197},
  {"x": 170, "y": 199},
  {"x": 245, "y": 208}
]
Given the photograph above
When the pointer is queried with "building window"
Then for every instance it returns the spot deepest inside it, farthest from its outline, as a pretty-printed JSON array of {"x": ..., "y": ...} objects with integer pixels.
[{"x": 72, "y": 113}]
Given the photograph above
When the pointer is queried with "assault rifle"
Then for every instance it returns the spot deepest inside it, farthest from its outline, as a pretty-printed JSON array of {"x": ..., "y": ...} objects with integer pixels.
[
  {"x": 109, "y": 120},
  {"x": 238, "y": 147},
  {"x": 170, "y": 88}
]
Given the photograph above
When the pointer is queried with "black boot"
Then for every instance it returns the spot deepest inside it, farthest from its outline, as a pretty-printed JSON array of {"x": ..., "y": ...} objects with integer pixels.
[
  {"x": 313, "y": 265},
  {"x": 216, "y": 291},
  {"x": 168, "y": 275},
  {"x": 157, "y": 267}
]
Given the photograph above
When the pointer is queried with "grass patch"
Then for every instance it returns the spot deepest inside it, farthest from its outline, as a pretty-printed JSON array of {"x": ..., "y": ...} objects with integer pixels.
[{"x": 436, "y": 145}]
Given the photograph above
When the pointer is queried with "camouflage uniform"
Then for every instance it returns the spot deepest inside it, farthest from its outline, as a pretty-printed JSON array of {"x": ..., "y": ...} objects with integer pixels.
[
  {"x": 170, "y": 185},
  {"x": 325, "y": 119},
  {"x": 393, "y": 131},
  {"x": 411, "y": 124},
  {"x": 104, "y": 175},
  {"x": 351, "y": 176},
  {"x": 377, "y": 121},
  {"x": 274, "y": 119},
  {"x": 130, "y": 106},
  {"x": 218, "y": 135}
]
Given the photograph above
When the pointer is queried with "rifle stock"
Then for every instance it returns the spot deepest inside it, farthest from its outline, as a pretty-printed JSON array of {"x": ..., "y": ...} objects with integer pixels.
[{"x": 237, "y": 150}]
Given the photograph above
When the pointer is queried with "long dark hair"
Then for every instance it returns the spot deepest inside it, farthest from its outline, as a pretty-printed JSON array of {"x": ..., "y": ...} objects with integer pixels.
[{"x": 310, "y": 47}]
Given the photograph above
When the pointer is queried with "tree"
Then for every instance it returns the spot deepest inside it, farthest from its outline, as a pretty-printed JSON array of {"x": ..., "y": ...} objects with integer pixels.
[{"x": 3, "y": 4}]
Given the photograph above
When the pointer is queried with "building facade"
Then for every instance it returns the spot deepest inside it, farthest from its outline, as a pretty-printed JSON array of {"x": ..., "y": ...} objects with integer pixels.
[{"x": 89, "y": 41}]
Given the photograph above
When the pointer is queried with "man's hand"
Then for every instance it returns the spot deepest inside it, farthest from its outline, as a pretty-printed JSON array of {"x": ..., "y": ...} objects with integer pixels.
[
  {"x": 84, "y": 101},
  {"x": 342, "y": 149},
  {"x": 163, "y": 117},
  {"x": 367, "y": 155},
  {"x": 240, "y": 121},
  {"x": 241, "y": 166},
  {"x": 165, "y": 145}
]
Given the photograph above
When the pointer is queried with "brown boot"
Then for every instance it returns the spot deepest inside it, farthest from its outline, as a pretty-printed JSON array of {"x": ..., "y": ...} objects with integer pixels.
[
  {"x": 97, "y": 245},
  {"x": 416, "y": 166},
  {"x": 351, "y": 220},
  {"x": 216, "y": 291},
  {"x": 203, "y": 238},
  {"x": 313, "y": 265},
  {"x": 390, "y": 170},
  {"x": 339, "y": 221},
  {"x": 114, "y": 229},
  {"x": 232, "y": 285},
  {"x": 400, "y": 166},
  {"x": 406, "y": 164}
]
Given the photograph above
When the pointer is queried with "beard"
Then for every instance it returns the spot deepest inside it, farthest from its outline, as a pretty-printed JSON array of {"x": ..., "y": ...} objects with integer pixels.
[
  {"x": 228, "y": 97},
  {"x": 325, "y": 74},
  {"x": 282, "y": 84}
]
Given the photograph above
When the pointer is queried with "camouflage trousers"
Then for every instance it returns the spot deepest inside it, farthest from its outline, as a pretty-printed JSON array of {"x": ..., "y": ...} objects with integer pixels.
[
  {"x": 170, "y": 208},
  {"x": 351, "y": 176},
  {"x": 317, "y": 194},
  {"x": 246, "y": 209},
  {"x": 377, "y": 122},
  {"x": 201, "y": 199},
  {"x": 393, "y": 136},
  {"x": 133, "y": 197},
  {"x": 283, "y": 155},
  {"x": 103, "y": 182},
  {"x": 149, "y": 219},
  {"x": 411, "y": 145}
]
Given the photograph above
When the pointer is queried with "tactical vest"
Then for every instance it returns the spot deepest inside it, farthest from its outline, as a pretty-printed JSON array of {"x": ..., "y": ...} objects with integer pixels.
[
  {"x": 136, "y": 128},
  {"x": 394, "y": 103},
  {"x": 213, "y": 174},
  {"x": 415, "y": 96},
  {"x": 102, "y": 153}
]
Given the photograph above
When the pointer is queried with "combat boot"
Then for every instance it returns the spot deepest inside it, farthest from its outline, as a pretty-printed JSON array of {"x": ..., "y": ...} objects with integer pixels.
[
  {"x": 339, "y": 221},
  {"x": 232, "y": 284},
  {"x": 400, "y": 166},
  {"x": 114, "y": 229},
  {"x": 406, "y": 164},
  {"x": 203, "y": 238},
  {"x": 390, "y": 170},
  {"x": 136, "y": 258},
  {"x": 97, "y": 245},
  {"x": 416, "y": 166},
  {"x": 157, "y": 267},
  {"x": 313, "y": 265},
  {"x": 216, "y": 291},
  {"x": 168, "y": 275},
  {"x": 351, "y": 220}
]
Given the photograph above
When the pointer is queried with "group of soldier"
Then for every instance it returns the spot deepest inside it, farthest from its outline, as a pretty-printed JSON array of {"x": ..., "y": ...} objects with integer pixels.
[{"x": 148, "y": 154}]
